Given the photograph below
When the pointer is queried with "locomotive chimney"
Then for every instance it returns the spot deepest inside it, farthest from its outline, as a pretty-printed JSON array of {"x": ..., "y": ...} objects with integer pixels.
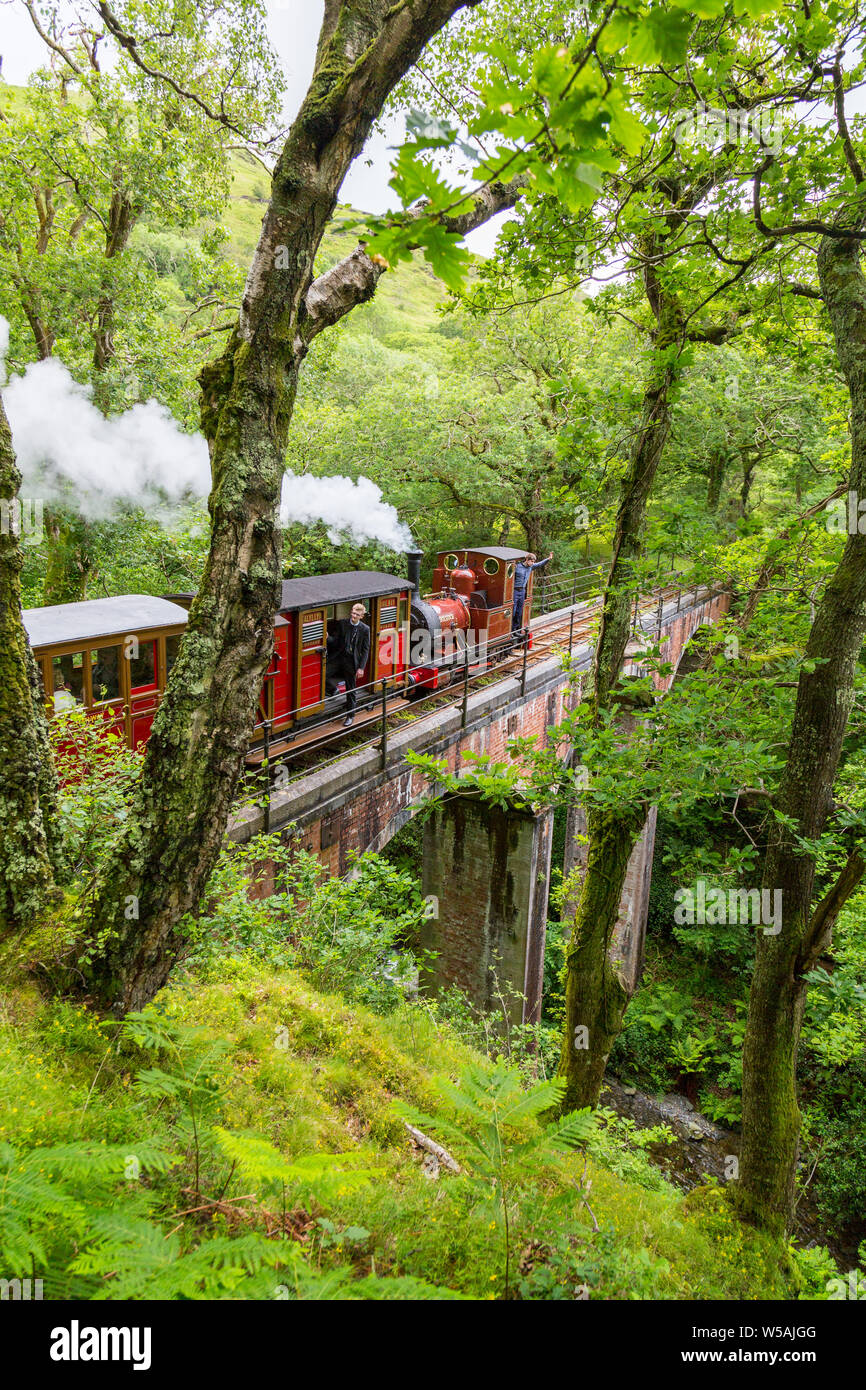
[{"x": 413, "y": 568}]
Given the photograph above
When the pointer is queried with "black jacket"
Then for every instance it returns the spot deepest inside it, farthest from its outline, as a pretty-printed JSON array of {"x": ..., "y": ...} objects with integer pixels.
[{"x": 340, "y": 650}]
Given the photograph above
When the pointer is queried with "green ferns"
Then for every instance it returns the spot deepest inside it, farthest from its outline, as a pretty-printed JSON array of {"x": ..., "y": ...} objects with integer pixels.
[
  {"x": 503, "y": 1157},
  {"x": 245, "y": 1138}
]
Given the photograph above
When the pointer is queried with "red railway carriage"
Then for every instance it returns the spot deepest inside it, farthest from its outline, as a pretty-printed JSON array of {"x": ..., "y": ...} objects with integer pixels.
[
  {"x": 294, "y": 688},
  {"x": 110, "y": 656}
]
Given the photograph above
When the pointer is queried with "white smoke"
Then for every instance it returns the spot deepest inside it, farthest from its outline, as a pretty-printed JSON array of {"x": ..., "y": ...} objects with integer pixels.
[
  {"x": 354, "y": 511},
  {"x": 68, "y": 452}
]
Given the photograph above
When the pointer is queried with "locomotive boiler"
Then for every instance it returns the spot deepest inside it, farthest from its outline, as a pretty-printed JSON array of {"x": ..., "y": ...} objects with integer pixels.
[{"x": 466, "y": 617}]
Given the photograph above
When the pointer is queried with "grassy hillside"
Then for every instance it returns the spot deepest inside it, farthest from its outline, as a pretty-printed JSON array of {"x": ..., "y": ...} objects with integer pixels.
[
  {"x": 86, "y": 1119},
  {"x": 406, "y": 298},
  {"x": 246, "y": 1136}
]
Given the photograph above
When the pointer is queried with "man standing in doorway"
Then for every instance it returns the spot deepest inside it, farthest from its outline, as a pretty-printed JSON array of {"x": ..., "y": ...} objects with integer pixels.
[
  {"x": 522, "y": 570},
  {"x": 348, "y": 653}
]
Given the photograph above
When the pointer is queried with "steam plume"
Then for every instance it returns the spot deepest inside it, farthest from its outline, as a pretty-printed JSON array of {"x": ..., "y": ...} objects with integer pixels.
[
  {"x": 69, "y": 453},
  {"x": 352, "y": 510}
]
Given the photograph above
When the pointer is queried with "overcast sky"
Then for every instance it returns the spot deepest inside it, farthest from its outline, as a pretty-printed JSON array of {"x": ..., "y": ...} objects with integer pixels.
[{"x": 294, "y": 28}]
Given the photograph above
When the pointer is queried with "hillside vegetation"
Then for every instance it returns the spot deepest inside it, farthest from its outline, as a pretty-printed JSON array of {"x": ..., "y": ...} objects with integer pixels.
[{"x": 245, "y": 1137}]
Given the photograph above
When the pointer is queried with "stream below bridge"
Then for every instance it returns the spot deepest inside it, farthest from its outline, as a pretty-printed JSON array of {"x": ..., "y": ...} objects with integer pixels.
[{"x": 700, "y": 1151}]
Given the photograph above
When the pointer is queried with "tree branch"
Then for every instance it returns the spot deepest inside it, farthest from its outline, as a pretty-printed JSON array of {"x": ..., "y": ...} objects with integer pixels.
[
  {"x": 353, "y": 280},
  {"x": 795, "y": 228},
  {"x": 773, "y": 566},
  {"x": 805, "y": 291},
  {"x": 841, "y": 122},
  {"x": 819, "y": 932},
  {"x": 48, "y": 41},
  {"x": 130, "y": 45}
]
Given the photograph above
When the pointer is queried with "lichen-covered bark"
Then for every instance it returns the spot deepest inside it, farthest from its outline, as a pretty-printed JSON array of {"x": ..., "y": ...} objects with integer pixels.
[
  {"x": 651, "y": 438},
  {"x": 771, "y": 1118},
  {"x": 595, "y": 996},
  {"x": 176, "y": 828},
  {"x": 30, "y": 851}
]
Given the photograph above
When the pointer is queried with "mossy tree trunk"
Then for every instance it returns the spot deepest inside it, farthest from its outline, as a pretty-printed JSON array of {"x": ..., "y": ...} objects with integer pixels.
[
  {"x": 175, "y": 831},
  {"x": 595, "y": 995},
  {"x": 825, "y": 694},
  {"x": 122, "y": 218},
  {"x": 715, "y": 479},
  {"x": 30, "y": 848},
  {"x": 70, "y": 562}
]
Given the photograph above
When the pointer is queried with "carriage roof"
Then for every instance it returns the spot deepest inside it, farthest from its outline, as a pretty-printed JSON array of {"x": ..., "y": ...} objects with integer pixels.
[
  {"x": 97, "y": 618},
  {"x": 322, "y": 590}
]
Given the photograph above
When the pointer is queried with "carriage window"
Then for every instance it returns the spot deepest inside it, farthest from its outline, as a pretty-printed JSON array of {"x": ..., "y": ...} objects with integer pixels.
[
  {"x": 105, "y": 674},
  {"x": 509, "y": 570},
  {"x": 451, "y": 562},
  {"x": 142, "y": 668},
  {"x": 491, "y": 566},
  {"x": 68, "y": 681},
  {"x": 172, "y": 647}
]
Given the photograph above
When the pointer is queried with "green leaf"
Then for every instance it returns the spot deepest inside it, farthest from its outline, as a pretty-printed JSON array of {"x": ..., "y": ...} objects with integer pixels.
[{"x": 701, "y": 9}]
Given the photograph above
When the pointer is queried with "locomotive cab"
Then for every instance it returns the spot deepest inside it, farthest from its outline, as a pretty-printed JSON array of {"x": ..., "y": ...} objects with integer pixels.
[{"x": 484, "y": 579}]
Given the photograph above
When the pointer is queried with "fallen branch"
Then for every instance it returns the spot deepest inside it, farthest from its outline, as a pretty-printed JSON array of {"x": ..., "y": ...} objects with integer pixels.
[{"x": 432, "y": 1147}]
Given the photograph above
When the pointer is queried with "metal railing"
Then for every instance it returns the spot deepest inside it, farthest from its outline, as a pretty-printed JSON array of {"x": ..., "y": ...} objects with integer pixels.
[
  {"x": 556, "y": 591},
  {"x": 463, "y": 672}
]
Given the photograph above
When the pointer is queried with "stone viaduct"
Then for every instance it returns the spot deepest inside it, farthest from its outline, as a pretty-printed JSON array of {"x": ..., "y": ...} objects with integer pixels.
[{"x": 487, "y": 870}]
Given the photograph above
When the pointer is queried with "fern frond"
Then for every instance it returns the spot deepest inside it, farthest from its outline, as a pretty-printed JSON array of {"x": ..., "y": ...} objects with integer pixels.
[
  {"x": 404, "y": 1288},
  {"x": 543, "y": 1096},
  {"x": 257, "y": 1161},
  {"x": 574, "y": 1130}
]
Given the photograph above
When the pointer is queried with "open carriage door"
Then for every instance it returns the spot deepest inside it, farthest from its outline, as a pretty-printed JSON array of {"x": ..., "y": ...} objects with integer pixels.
[
  {"x": 388, "y": 640},
  {"x": 143, "y": 677},
  {"x": 276, "y": 698},
  {"x": 310, "y": 685}
]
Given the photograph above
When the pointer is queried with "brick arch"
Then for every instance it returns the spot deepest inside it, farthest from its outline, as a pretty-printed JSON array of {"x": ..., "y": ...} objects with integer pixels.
[
  {"x": 684, "y": 626},
  {"x": 403, "y": 817}
]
